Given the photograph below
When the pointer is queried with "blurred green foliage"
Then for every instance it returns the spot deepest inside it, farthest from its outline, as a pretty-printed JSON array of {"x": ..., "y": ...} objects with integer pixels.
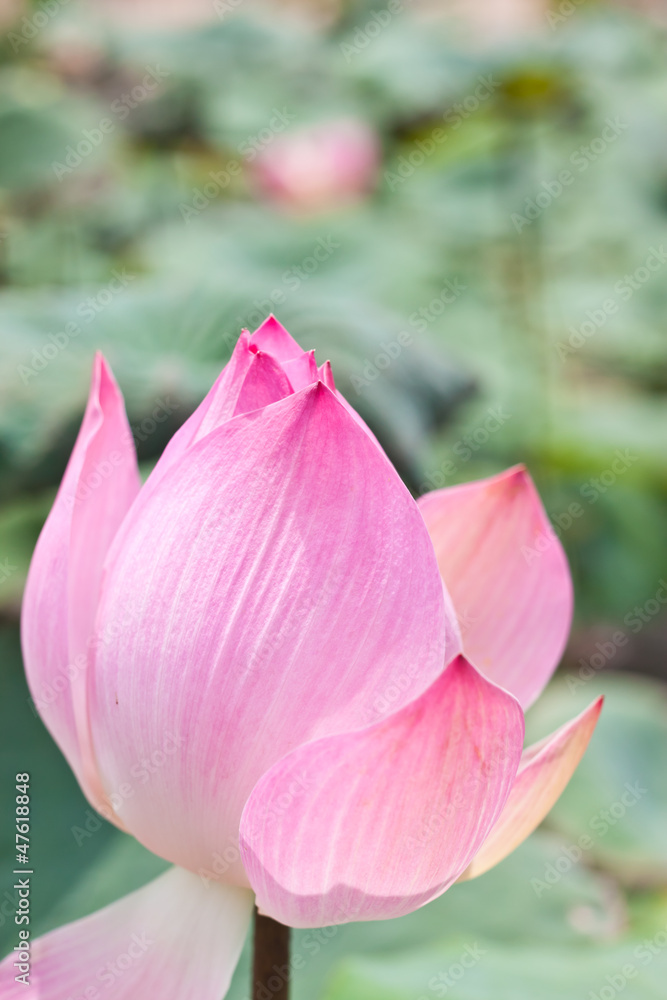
[
  {"x": 521, "y": 253},
  {"x": 468, "y": 213}
]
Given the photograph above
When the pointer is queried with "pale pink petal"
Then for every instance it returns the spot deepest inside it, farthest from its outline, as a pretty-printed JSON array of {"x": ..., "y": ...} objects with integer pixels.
[
  {"x": 174, "y": 939},
  {"x": 373, "y": 824},
  {"x": 508, "y": 577},
  {"x": 545, "y": 770},
  {"x": 284, "y": 588},
  {"x": 62, "y": 592}
]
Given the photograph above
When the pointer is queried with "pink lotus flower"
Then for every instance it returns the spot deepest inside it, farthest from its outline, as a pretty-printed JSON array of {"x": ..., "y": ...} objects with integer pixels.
[
  {"x": 319, "y": 167},
  {"x": 268, "y": 623}
]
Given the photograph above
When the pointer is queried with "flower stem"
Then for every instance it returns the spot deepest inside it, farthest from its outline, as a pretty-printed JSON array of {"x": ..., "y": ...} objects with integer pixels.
[{"x": 270, "y": 960}]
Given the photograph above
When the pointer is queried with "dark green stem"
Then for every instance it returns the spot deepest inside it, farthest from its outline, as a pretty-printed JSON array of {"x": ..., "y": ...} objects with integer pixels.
[{"x": 270, "y": 960}]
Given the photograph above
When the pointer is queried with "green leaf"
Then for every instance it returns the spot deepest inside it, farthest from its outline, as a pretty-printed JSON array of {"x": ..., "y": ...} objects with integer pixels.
[
  {"x": 474, "y": 969},
  {"x": 20, "y": 524}
]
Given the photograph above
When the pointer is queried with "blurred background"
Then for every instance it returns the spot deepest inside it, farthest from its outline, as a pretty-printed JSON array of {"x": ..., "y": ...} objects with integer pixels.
[{"x": 464, "y": 207}]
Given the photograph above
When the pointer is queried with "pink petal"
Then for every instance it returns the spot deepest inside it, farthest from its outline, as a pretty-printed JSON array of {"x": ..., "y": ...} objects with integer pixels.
[
  {"x": 373, "y": 824},
  {"x": 508, "y": 577},
  {"x": 273, "y": 338},
  {"x": 326, "y": 375},
  {"x": 62, "y": 592},
  {"x": 174, "y": 939},
  {"x": 284, "y": 588},
  {"x": 265, "y": 383},
  {"x": 218, "y": 406},
  {"x": 545, "y": 770},
  {"x": 250, "y": 380},
  {"x": 302, "y": 371}
]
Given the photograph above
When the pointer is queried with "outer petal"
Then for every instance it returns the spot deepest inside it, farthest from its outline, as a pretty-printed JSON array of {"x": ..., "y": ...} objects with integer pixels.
[
  {"x": 284, "y": 588},
  {"x": 545, "y": 770},
  {"x": 508, "y": 577},
  {"x": 173, "y": 940},
  {"x": 62, "y": 592},
  {"x": 373, "y": 824}
]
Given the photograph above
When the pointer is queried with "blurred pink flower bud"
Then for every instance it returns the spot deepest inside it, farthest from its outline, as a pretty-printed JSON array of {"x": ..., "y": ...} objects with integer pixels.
[{"x": 320, "y": 167}]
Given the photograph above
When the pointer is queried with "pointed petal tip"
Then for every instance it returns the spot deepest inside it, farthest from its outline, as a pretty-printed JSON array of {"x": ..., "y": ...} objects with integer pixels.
[
  {"x": 272, "y": 335},
  {"x": 104, "y": 389},
  {"x": 544, "y": 773},
  {"x": 269, "y": 324},
  {"x": 101, "y": 368},
  {"x": 326, "y": 375},
  {"x": 461, "y": 665},
  {"x": 517, "y": 477},
  {"x": 493, "y": 530}
]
